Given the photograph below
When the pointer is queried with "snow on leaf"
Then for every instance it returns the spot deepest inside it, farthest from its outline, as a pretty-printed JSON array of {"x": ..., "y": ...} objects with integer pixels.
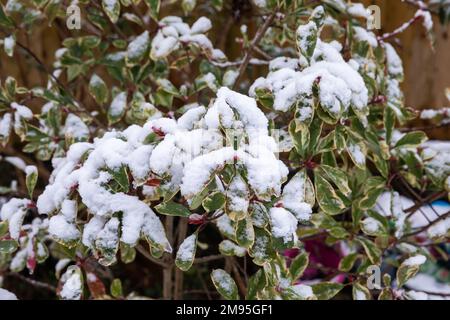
[
  {"x": 298, "y": 196},
  {"x": 112, "y": 9},
  {"x": 237, "y": 196},
  {"x": 7, "y": 295},
  {"x": 284, "y": 225},
  {"x": 14, "y": 212},
  {"x": 409, "y": 268},
  {"x": 98, "y": 89},
  {"x": 138, "y": 47},
  {"x": 186, "y": 253},
  {"x": 229, "y": 248},
  {"x": 224, "y": 284},
  {"x": 72, "y": 284}
]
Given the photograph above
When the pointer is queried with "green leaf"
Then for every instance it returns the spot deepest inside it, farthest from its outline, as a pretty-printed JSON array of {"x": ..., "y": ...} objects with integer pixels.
[
  {"x": 357, "y": 152},
  {"x": 224, "y": 284},
  {"x": 307, "y": 39},
  {"x": 237, "y": 193},
  {"x": 259, "y": 214},
  {"x": 406, "y": 271},
  {"x": 299, "y": 138},
  {"x": 121, "y": 177},
  {"x": 117, "y": 108},
  {"x": 374, "y": 187},
  {"x": 338, "y": 177},
  {"x": 245, "y": 234},
  {"x": 127, "y": 253},
  {"x": 5, "y": 21},
  {"x": 8, "y": 246},
  {"x": 3, "y": 228},
  {"x": 11, "y": 87},
  {"x": 375, "y": 224},
  {"x": 138, "y": 48},
  {"x": 372, "y": 251},
  {"x": 326, "y": 196},
  {"x": 186, "y": 253},
  {"x": 107, "y": 242},
  {"x": 389, "y": 123},
  {"x": 327, "y": 143},
  {"x": 116, "y": 288},
  {"x": 347, "y": 263},
  {"x": 154, "y": 6},
  {"x": 256, "y": 283},
  {"x": 262, "y": 249},
  {"x": 188, "y": 5},
  {"x": 298, "y": 265},
  {"x": 98, "y": 89},
  {"x": 52, "y": 9},
  {"x": 31, "y": 179},
  {"x": 412, "y": 139},
  {"x": 326, "y": 290},
  {"x": 360, "y": 292},
  {"x": 171, "y": 208},
  {"x": 229, "y": 248},
  {"x": 386, "y": 294},
  {"x": 214, "y": 202},
  {"x": 112, "y": 9}
]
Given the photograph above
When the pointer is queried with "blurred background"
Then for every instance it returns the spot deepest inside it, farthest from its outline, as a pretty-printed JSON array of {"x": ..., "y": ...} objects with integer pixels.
[{"x": 426, "y": 69}]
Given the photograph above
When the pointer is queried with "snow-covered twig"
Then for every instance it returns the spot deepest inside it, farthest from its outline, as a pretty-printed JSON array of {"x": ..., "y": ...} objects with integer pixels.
[{"x": 400, "y": 29}]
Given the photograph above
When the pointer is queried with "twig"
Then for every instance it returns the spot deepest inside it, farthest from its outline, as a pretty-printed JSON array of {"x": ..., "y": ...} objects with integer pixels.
[
  {"x": 179, "y": 275},
  {"x": 259, "y": 35},
  {"x": 209, "y": 258},
  {"x": 168, "y": 270},
  {"x": 426, "y": 128},
  {"x": 57, "y": 81},
  {"x": 149, "y": 257},
  {"x": 425, "y": 228},
  {"x": 239, "y": 281},
  {"x": 34, "y": 283},
  {"x": 204, "y": 286},
  {"x": 43, "y": 171},
  {"x": 400, "y": 29},
  {"x": 442, "y": 294},
  {"x": 435, "y": 196}
]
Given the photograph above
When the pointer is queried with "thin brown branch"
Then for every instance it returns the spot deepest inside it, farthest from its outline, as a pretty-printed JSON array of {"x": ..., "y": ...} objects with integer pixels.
[
  {"x": 434, "y": 293},
  {"x": 209, "y": 258},
  {"x": 433, "y": 197},
  {"x": 179, "y": 275},
  {"x": 248, "y": 53},
  {"x": 79, "y": 104},
  {"x": 425, "y": 228},
  {"x": 426, "y": 128},
  {"x": 34, "y": 283},
  {"x": 149, "y": 257},
  {"x": 400, "y": 29}
]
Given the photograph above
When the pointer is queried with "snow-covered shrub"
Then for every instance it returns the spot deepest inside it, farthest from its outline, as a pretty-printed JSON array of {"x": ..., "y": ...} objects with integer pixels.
[{"x": 177, "y": 145}]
